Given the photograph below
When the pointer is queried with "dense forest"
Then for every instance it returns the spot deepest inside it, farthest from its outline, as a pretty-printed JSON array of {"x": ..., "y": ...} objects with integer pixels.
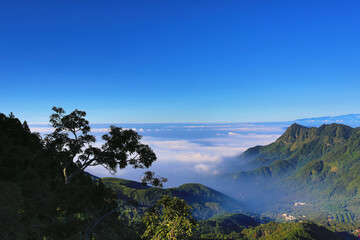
[{"x": 38, "y": 201}]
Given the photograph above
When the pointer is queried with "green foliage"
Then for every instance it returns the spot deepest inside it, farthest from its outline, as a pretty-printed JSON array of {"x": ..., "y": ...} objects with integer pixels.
[
  {"x": 290, "y": 231},
  {"x": 170, "y": 218},
  {"x": 233, "y": 226},
  {"x": 224, "y": 226}
]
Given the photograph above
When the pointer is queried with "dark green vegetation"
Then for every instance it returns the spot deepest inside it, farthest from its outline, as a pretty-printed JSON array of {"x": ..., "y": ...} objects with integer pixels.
[
  {"x": 170, "y": 218},
  {"x": 205, "y": 201},
  {"x": 225, "y": 229},
  {"x": 291, "y": 231},
  {"x": 224, "y": 226},
  {"x": 36, "y": 204}
]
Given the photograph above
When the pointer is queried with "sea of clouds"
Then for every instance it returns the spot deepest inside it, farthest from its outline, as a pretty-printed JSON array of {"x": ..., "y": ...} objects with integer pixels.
[
  {"x": 189, "y": 152},
  {"x": 203, "y": 153}
]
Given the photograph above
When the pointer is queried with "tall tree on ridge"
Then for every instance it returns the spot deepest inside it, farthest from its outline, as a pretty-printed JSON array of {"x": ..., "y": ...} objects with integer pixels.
[{"x": 73, "y": 146}]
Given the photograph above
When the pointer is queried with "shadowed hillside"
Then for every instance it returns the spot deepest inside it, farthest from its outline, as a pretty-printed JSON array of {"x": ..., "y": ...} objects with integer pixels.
[{"x": 206, "y": 202}]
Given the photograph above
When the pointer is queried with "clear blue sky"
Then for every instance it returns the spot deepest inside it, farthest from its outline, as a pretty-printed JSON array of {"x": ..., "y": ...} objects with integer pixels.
[{"x": 180, "y": 61}]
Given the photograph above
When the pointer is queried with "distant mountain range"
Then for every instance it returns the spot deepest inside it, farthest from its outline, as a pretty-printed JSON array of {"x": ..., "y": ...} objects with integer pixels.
[{"x": 352, "y": 120}]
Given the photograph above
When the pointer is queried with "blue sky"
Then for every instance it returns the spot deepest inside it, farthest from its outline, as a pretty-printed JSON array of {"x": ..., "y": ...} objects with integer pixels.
[{"x": 180, "y": 61}]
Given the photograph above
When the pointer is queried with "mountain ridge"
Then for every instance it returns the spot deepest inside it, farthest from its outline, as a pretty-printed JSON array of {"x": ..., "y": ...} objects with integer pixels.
[
  {"x": 206, "y": 202},
  {"x": 320, "y": 164},
  {"x": 298, "y": 145}
]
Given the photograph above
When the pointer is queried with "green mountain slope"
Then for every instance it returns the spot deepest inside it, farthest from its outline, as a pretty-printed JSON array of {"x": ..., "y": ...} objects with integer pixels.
[
  {"x": 321, "y": 165},
  {"x": 299, "y": 146},
  {"x": 206, "y": 202},
  {"x": 237, "y": 226},
  {"x": 222, "y": 225},
  {"x": 295, "y": 231}
]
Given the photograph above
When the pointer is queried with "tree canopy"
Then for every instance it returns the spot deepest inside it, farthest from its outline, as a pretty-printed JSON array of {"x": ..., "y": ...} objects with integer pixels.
[
  {"x": 170, "y": 218},
  {"x": 73, "y": 147}
]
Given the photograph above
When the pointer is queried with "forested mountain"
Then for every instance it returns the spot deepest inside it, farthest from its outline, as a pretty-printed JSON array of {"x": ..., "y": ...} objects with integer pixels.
[
  {"x": 206, "y": 202},
  {"x": 300, "y": 146},
  {"x": 319, "y": 165}
]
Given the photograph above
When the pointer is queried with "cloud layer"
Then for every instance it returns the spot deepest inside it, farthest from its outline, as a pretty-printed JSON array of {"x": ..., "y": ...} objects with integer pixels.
[{"x": 189, "y": 152}]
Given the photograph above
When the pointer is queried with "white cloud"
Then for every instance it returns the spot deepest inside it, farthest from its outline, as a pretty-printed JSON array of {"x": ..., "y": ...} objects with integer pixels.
[
  {"x": 42, "y": 129},
  {"x": 202, "y": 168},
  {"x": 256, "y": 128},
  {"x": 100, "y": 130},
  {"x": 201, "y": 154}
]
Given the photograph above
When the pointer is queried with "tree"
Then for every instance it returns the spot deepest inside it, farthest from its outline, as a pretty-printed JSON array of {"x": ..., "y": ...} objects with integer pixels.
[
  {"x": 170, "y": 218},
  {"x": 73, "y": 146}
]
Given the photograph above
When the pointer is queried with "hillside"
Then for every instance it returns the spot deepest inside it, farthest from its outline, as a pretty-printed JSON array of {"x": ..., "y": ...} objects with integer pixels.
[
  {"x": 305, "y": 151},
  {"x": 238, "y": 226},
  {"x": 299, "y": 146},
  {"x": 206, "y": 202},
  {"x": 320, "y": 165},
  {"x": 223, "y": 225},
  {"x": 296, "y": 231}
]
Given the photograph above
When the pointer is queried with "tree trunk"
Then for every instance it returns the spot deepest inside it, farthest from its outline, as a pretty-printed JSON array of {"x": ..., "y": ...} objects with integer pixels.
[{"x": 65, "y": 176}]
